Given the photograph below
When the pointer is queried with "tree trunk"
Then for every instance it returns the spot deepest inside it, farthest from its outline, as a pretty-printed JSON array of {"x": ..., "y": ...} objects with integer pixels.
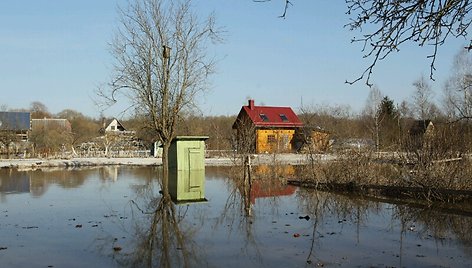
[
  {"x": 165, "y": 168},
  {"x": 74, "y": 153}
]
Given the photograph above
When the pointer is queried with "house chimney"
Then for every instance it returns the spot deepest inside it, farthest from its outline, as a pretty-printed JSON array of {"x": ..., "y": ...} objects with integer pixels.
[{"x": 251, "y": 104}]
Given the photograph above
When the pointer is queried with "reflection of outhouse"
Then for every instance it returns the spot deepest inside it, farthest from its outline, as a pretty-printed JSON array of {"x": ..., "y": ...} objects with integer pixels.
[{"x": 187, "y": 168}]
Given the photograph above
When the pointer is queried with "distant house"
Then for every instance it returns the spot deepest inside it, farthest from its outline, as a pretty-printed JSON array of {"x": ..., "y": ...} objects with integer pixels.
[
  {"x": 114, "y": 126},
  {"x": 421, "y": 127},
  {"x": 312, "y": 139},
  {"x": 18, "y": 123},
  {"x": 266, "y": 129},
  {"x": 419, "y": 132},
  {"x": 48, "y": 123}
]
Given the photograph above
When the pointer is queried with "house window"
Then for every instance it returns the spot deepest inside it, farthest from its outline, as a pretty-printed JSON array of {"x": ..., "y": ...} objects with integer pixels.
[
  {"x": 271, "y": 139},
  {"x": 264, "y": 117},
  {"x": 283, "y": 117},
  {"x": 113, "y": 127}
]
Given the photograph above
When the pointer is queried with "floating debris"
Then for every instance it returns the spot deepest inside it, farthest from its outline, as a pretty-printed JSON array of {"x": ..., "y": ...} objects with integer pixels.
[{"x": 304, "y": 217}]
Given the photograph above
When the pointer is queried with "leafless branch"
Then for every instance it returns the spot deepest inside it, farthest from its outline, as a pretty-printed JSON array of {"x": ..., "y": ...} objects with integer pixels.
[
  {"x": 287, "y": 4},
  {"x": 391, "y": 23}
]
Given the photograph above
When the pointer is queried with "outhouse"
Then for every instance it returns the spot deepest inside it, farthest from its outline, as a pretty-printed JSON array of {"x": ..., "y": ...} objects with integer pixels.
[{"x": 187, "y": 168}]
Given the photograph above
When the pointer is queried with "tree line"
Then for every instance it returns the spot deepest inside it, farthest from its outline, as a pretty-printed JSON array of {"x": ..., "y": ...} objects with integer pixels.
[{"x": 388, "y": 124}]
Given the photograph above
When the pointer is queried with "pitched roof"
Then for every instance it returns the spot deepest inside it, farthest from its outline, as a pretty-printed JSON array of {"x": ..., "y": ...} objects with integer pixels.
[
  {"x": 115, "y": 123},
  {"x": 268, "y": 116},
  {"x": 17, "y": 121}
]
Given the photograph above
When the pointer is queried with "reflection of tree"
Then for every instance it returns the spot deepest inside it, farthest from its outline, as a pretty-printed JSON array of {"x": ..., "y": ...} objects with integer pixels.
[
  {"x": 12, "y": 181},
  {"x": 441, "y": 225},
  {"x": 237, "y": 212},
  {"x": 162, "y": 239},
  {"x": 246, "y": 184},
  {"x": 65, "y": 178},
  {"x": 428, "y": 222},
  {"x": 318, "y": 205}
]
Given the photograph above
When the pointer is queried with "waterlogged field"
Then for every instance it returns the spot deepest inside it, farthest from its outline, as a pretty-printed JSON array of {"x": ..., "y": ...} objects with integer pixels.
[{"x": 114, "y": 217}]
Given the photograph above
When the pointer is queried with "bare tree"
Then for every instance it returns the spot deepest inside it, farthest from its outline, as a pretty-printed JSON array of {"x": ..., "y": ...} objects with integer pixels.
[
  {"x": 7, "y": 139},
  {"x": 84, "y": 129},
  {"x": 422, "y": 104},
  {"x": 458, "y": 89},
  {"x": 50, "y": 138},
  {"x": 387, "y": 25},
  {"x": 371, "y": 112},
  {"x": 39, "y": 110},
  {"x": 161, "y": 63}
]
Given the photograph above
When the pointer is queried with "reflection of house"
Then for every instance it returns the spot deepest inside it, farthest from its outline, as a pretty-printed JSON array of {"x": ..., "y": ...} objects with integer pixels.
[
  {"x": 17, "y": 123},
  {"x": 14, "y": 182},
  {"x": 48, "y": 123},
  {"x": 263, "y": 129},
  {"x": 286, "y": 171},
  {"x": 264, "y": 190},
  {"x": 312, "y": 139}
]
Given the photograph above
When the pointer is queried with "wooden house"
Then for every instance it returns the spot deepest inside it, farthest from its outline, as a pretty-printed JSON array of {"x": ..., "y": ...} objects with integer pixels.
[
  {"x": 266, "y": 129},
  {"x": 312, "y": 139}
]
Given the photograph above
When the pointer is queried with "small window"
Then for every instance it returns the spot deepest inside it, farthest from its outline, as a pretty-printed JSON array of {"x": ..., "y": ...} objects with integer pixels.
[
  {"x": 264, "y": 117},
  {"x": 283, "y": 117},
  {"x": 271, "y": 139},
  {"x": 113, "y": 127}
]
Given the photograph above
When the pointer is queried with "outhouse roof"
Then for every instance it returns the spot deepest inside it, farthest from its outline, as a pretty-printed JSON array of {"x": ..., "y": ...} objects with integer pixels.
[{"x": 190, "y": 138}]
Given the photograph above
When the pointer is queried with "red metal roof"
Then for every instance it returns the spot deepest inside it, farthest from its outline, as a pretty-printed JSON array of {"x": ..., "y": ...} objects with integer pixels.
[{"x": 267, "y": 116}]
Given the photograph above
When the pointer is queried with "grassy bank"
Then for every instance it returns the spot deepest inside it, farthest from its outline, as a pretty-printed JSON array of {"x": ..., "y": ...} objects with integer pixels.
[{"x": 409, "y": 176}]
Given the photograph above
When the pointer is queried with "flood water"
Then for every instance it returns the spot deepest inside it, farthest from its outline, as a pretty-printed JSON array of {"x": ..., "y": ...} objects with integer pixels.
[{"x": 109, "y": 217}]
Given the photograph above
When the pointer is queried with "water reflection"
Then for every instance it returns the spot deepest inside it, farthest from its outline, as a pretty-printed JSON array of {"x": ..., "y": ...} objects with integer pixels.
[
  {"x": 415, "y": 235},
  {"x": 161, "y": 237},
  {"x": 159, "y": 240},
  {"x": 116, "y": 216},
  {"x": 37, "y": 182}
]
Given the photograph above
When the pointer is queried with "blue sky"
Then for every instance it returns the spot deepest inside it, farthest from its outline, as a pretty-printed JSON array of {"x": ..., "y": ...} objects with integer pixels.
[{"x": 56, "y": 52}]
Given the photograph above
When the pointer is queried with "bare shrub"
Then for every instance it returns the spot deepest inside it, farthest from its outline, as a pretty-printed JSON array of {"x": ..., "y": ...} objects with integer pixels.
[
  {"x": 438, "y": 160},
  {"x": 355, "y": 168}
]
